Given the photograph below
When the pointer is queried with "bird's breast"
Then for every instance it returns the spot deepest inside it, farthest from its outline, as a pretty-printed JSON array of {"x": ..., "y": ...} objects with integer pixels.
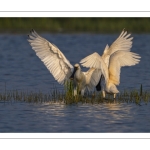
[{"x": 79, "y": 76}]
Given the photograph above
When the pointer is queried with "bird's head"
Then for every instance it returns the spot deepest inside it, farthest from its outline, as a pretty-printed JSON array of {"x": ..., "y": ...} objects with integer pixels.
[{"x": 76, "y": 67}]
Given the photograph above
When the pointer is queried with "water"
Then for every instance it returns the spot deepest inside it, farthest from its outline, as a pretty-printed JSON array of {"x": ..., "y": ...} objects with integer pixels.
[{"x": 21, "y": 69}]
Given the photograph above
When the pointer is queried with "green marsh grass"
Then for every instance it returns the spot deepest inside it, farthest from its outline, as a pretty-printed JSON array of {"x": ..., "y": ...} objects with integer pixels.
[
  {"x": 74, "y": 24},
  {"x": 133, "y": 96}
]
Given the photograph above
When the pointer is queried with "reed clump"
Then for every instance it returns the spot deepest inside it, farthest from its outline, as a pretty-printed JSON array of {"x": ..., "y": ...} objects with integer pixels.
[{"x": 67, "y": 97}]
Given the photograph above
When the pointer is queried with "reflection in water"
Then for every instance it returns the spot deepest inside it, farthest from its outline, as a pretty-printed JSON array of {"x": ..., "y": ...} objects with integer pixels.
[
  {"x": 22, "y": 70},
  {"x": 55, "y": 109},
  {"x": 87, "y": 117}
]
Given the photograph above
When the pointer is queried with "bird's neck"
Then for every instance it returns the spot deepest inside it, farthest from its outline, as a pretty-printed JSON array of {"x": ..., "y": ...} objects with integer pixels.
[{"x": 79, "y": 74}]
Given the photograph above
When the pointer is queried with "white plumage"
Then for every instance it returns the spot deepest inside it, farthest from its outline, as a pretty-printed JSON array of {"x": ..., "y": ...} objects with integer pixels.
[
  {"x": 60, "y": 67},
  {"x": 110, "y": 63}
]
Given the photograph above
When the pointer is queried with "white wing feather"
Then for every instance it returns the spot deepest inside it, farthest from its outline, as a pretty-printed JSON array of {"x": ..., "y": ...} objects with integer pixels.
[
  {"x": 123, "y": 42},
  {"x": 51, "y": 56},
  {"x": 95, "y": 61},
  {"x": 118, "y": 60}
]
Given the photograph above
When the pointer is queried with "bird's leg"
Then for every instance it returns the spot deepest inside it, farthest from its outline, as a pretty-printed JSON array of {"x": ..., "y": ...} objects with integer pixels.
[
  {"x": 115, "y": 96},
  {"x": 82, "y": 92},
  {"x": 103, "y": 93},
  {"x": 75, "y": 92}
]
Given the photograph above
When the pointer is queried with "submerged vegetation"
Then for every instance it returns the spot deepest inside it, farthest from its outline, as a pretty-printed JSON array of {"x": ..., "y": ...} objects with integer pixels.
[
  {"x": 74, "y": 24},
  {"x": 135, "y": 96}
]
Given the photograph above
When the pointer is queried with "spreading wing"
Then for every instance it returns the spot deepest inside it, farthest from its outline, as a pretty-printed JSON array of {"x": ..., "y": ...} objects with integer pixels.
[
  {"x": 95, "y": 61},
  {"x": 123, "y": 42},
  {"x": 51, "y": 56},
  {"x": 92, "y": 78},
  {"x": 118, "y": 60}
]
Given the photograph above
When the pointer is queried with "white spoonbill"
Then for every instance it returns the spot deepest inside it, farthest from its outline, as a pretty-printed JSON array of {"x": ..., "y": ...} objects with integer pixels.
[
  {"x": 60, "y": 67},
  {"x": 113, "y": 58}
]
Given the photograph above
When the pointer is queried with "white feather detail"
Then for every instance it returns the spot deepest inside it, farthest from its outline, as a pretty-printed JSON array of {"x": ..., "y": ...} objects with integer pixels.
[
  {"x": 95, "y": 61},
  {"x": 52, "y": 57},
  {"x": 118, "y": 60}
]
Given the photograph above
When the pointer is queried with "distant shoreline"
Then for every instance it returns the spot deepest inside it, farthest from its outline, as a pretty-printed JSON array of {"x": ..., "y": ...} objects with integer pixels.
[{"x": 75, "y": 25}]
